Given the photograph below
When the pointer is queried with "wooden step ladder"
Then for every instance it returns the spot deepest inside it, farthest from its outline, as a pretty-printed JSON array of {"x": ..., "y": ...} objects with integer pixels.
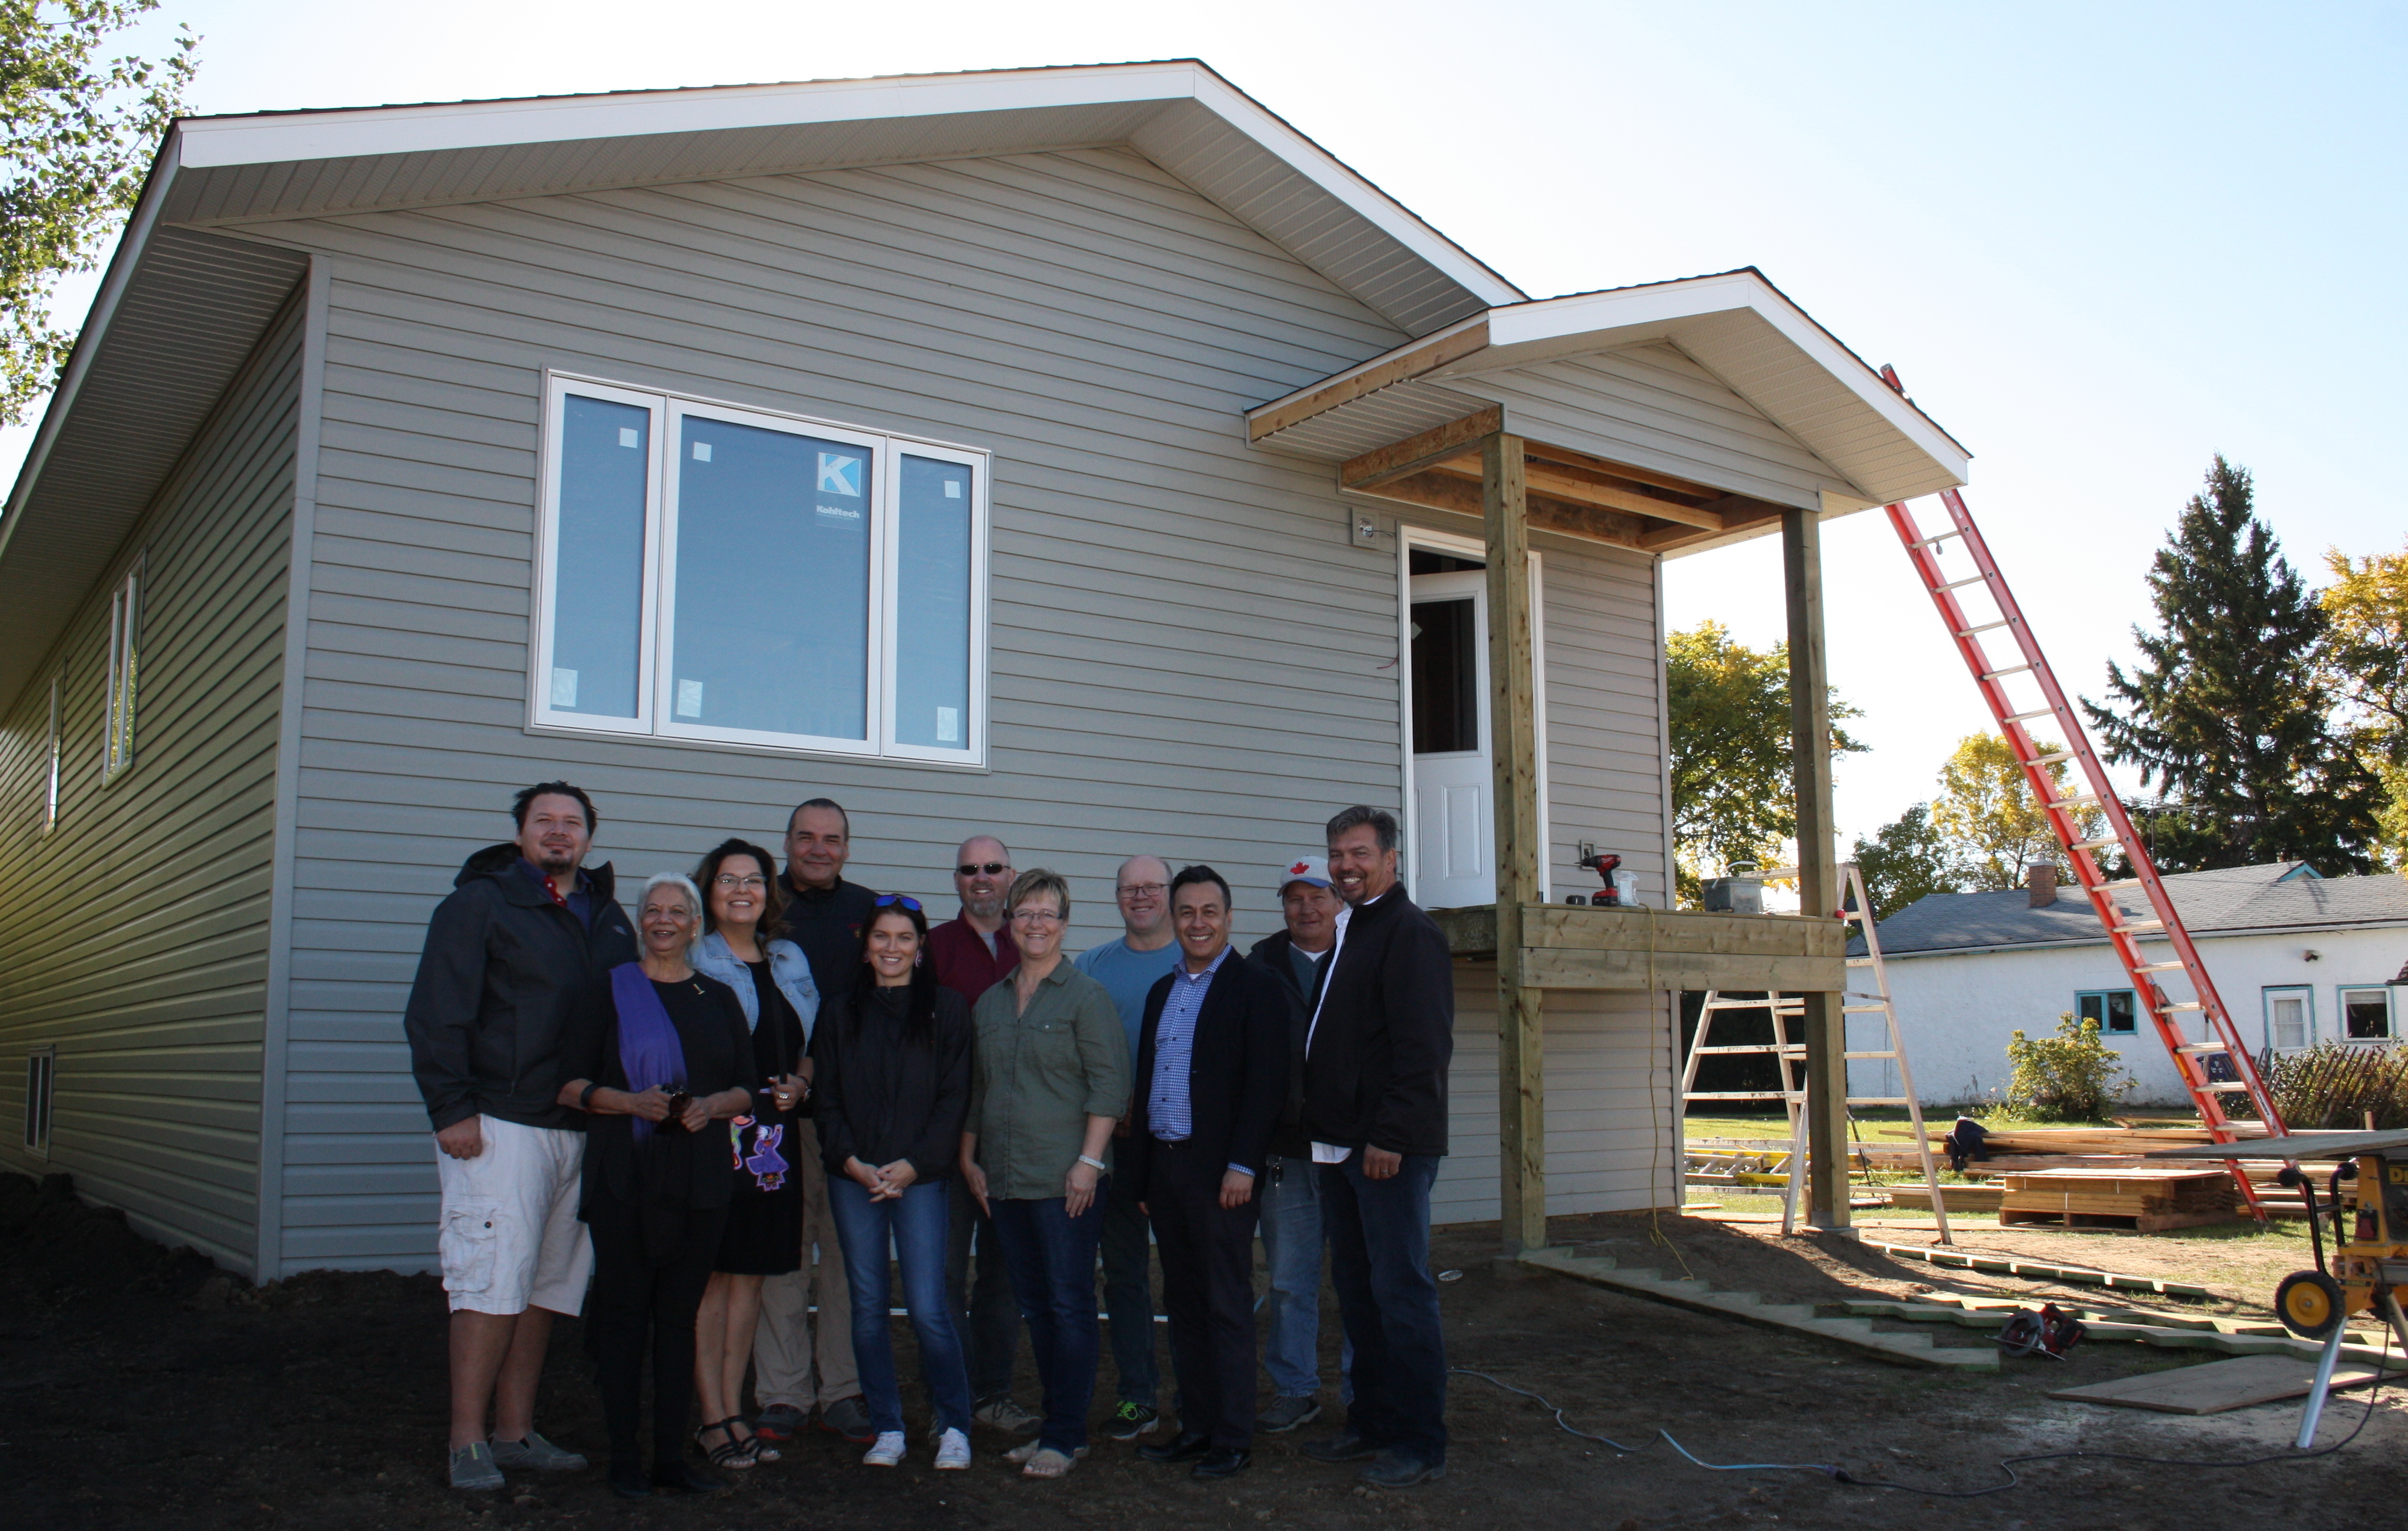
[
  {"x": 1790, "y": 1057},
  {"x": 2096, "y": 794}
]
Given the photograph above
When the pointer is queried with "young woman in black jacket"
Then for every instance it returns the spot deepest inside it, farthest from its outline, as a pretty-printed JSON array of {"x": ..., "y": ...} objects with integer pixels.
[{"x": 893, "y": 1085}]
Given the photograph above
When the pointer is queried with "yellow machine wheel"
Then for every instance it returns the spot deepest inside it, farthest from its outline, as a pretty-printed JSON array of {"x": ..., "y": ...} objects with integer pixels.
[{"x": 2309, "y": 1303}]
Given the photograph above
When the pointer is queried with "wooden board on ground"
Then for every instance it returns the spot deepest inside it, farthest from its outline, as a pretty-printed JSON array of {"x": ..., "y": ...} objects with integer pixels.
[
  {"x": 1958, "y": 1198},
  {"x": 2216, "y": 1386}
]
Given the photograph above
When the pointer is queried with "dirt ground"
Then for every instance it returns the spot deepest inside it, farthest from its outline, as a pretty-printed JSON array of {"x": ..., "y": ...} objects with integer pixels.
[{"x": 138, "y": 1387}]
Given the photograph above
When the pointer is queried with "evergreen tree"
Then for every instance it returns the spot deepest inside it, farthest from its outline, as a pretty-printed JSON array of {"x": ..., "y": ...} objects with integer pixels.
[{"x": 2228, "y": 714}]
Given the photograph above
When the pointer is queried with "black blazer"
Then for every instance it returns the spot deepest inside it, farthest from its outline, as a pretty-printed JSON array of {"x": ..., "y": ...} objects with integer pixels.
[
  {"x": 1236, "y": 1076},
  {"x": 1274, "y": 954},
  {"x": 1375, "y": 1072}
]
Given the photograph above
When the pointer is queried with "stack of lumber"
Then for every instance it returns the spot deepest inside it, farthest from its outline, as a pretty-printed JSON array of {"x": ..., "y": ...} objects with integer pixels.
[
  {"x": 2143, "y": 1200},
  {"x": 2028, "y": 1149},
  {"x": 1956, "y": 1198}
]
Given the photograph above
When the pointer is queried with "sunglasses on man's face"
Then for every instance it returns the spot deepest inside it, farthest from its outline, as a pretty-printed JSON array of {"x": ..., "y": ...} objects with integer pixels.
[
  {"x": 992, "y": 868},
  {"x": 886, "y": 901}
]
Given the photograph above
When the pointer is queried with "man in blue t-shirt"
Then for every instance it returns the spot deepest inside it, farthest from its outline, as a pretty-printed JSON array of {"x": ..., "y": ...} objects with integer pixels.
[{"x": 1129, "y": 968}]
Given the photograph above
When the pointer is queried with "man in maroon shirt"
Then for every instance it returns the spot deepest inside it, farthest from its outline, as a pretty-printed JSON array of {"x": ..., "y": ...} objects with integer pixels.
[{"x": 971, "y": 954}]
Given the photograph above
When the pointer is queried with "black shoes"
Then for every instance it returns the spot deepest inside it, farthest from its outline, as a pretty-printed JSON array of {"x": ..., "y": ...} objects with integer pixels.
[
  {"x": 629, "y": 1481},
  {"x": 1395, "y": 1470},
  {"x": 1345, "y": 1446},
  {"x": 1223, "y": 1462},
  {"x": 1186, "y": 1446},
  {"x": 683, "y": 1478}
]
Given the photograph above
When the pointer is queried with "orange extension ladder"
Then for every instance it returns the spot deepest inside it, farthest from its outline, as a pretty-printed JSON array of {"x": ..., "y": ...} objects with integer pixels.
[{"x": 2123, "y": 933}]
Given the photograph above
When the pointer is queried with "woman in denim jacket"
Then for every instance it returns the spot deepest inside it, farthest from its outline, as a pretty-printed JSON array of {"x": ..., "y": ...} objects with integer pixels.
[{"x": 774, "y": 1149}]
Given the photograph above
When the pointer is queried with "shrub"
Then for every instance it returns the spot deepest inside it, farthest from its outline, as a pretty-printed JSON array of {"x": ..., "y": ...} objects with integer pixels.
[
  {"x": 2334, "y": 1085},
  {"x": 2069, "y": 1077}
]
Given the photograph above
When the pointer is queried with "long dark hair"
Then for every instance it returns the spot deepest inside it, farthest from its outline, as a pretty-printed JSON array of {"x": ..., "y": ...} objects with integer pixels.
[
  {"x": 773, "y": 898},
  {"x": 920, "y": 1013}
]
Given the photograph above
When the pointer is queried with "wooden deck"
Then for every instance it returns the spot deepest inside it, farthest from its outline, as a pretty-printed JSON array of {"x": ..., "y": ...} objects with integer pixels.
[{"x": 1571, "y": 946}]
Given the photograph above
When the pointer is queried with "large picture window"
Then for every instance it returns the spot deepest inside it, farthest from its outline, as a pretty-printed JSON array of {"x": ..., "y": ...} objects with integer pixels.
[{"x": 708, "y": 572}]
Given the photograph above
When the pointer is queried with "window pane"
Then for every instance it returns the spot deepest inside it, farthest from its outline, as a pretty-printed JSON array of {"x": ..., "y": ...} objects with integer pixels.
[
  {"x": 2091, "y": 1007},
  {"x": 932, "y": 606},
  {"x": 1446, "y": 678},
  {"x": 2119, "y": 1010},
  {"x": 772, "y": 582},
  {"x": 597, "y": 599},
  {"x": 2287, "y": 1022},
  {"x": 2367, "y": 1012}
]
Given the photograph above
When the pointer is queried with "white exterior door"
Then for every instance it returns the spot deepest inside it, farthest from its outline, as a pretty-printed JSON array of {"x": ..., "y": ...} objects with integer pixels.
[{"x": 1455, "y": 824}]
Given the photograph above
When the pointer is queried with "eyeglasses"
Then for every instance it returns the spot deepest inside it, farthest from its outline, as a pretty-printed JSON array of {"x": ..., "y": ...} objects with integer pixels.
[
  {"x": 893, "y": 900},
  {"x": 972, "y": 869},
  {"x": 729, "y": 880},
  {"x": 1037, "y": 916},
  {"x": 1139, "y": 889}
]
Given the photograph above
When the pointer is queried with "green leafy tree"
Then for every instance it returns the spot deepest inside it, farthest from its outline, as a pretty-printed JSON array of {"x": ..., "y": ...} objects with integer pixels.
[
  {"x": 2366, "y": 662},
  {"x": 2230, "y": 711},
  {"x": 79, "y": 131},
  {"x": 1990, "y": 821},
  {"x": 1906, "y": 859},
  {"x": 1734, "y": 795}
]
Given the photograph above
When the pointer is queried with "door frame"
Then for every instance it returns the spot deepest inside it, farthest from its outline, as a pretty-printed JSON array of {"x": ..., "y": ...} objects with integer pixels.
[{"x": 1409, "y": 536}]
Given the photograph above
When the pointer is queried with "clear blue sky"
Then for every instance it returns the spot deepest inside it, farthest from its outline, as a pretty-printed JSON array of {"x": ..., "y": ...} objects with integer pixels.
[{"x": 2101, "y": 243}]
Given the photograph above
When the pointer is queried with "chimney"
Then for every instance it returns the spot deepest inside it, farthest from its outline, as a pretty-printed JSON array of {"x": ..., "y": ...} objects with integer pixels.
[{"x": 2042, "y": 885}]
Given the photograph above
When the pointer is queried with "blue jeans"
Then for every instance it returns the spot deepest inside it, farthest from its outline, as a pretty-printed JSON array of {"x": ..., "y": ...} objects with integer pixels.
[
  {"x": 1128, "y": 1297},
  {"x": 916, "y": 1223},
  {"x": 1379, "y": 1261},
  {"x": 1051, "y": 1257},
  {"x": 1291, "y": 1230}
]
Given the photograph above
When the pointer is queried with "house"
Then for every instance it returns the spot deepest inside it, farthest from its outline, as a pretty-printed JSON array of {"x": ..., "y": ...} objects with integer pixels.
[
  {"x": 1077, "y": 455},
  {"x": 2297, "y": 958}
]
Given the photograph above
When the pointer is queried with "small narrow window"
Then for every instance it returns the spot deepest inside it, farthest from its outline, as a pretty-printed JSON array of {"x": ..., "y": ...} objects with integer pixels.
[
  {"x": 2366, "y": 1014},
  {"x": 2113, "y": 1008},
  {"x": 124, "y": 673},
  {"x": 50, "y": 758},
  {"x": 41, "y": 1068}
]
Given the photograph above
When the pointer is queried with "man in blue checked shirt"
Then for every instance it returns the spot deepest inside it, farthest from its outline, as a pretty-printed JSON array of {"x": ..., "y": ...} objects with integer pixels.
[{"x": 1211, "y": 1075}]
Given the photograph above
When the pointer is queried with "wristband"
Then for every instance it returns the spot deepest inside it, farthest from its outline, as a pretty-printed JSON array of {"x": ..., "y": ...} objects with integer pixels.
[
  {"x": 586, "y": 1100},
  {"x": 1091, "y": 1164}
]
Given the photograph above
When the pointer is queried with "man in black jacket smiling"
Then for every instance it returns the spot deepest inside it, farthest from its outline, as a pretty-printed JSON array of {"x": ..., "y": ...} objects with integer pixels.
[
  {"x": 510, "y": 956},
  {"x": 1376, "y": 1055}
]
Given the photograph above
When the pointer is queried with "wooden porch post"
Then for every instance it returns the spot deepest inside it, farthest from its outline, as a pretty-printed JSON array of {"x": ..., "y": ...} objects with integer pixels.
[
  {"x": 1818, "y": 873},
  {"x": 1521, "y": 1051}
]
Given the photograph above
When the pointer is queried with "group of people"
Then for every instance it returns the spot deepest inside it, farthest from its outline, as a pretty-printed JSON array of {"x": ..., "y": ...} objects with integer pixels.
[{"x": 656, "y": 1122}]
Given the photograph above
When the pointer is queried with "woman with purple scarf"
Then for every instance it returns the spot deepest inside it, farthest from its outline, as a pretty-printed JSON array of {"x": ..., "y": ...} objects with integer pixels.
[{"x": 663, "y": 1062}]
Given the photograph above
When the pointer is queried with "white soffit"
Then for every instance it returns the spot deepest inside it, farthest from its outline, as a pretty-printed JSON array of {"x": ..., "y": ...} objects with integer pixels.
[{"x": 1179, "y": 114}]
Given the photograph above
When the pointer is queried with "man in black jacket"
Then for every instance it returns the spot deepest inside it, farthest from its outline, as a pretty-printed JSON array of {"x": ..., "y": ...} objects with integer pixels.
[
  {"x": 1376, "y": 1057},
  {"x": 510, "y": 956},
  {"x": 1212, "y": 1075}
]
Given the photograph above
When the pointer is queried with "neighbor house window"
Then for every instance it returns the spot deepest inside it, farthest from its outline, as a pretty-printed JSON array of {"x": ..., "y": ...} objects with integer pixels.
[
  {"x": 715, "y": 573},
  {"x": 2111, "y": 1009},
  {"x": 41, "y": 1072},
  {"x": 2291, "y": 1017},
  {"x": 2366, "y": 1014},
  {"x": 124, "y": 672}
]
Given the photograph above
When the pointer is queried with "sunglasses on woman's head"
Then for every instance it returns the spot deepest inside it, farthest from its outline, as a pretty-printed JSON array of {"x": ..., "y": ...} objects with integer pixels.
[
  {"x": 972, "y": 869},
  {"x": 890, "y": 900}
]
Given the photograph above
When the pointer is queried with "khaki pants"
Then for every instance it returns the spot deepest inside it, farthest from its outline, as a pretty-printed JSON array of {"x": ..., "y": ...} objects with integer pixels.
[{"x": 788, "y": 1348}]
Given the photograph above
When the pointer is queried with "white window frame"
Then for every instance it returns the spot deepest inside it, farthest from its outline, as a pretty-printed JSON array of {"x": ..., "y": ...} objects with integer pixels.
[
  {"x": 2306, "y": 992},
  {"x": 657, "y": 716},
  {"x": 54, "y": 756},
  {"x": 122, "y": 710},
  {"x": 2340, "y": 1013}
]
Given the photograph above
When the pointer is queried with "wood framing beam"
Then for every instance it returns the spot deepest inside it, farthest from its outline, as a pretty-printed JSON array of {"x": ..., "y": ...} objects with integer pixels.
[
  {"x": 1399, "y": 366},
  {"x": 1513, "y": 746},
  {"x": 1402, "y": 459},
  {"x": 1818, "y": 871}
]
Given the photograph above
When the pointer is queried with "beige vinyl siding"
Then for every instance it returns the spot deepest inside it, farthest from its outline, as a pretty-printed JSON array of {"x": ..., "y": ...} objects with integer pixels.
[
  {"x": 1188, "y": 656},
  {"x": 133, "y": 935},
  {"x": 1604, "y": 694},
  {"x": 1610, "y": 1143}
]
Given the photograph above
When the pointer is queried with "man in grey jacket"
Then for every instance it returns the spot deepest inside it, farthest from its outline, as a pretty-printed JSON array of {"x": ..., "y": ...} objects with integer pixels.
[{"x": 509, "y": 956}]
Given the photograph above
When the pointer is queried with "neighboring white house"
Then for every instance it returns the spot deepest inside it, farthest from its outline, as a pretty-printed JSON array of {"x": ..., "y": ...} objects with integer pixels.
[{"x": 2297, "y": 958}]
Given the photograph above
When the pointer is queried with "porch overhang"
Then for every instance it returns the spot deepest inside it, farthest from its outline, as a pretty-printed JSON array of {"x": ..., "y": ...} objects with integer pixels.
[{"x": 1406, "y": 425}]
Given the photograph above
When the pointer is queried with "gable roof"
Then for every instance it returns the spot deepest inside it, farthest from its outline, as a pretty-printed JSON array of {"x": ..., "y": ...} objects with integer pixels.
[
  {"x": 179, "y": 307},
  {"x": 2270, "y": 899}
]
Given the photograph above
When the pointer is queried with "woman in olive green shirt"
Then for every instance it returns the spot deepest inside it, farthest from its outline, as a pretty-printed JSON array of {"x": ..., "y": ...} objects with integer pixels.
[{"x": 1049, "y": 1077}]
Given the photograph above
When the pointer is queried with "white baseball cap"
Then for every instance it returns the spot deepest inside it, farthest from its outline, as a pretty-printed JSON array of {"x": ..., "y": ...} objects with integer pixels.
[{"x": 1312, "y": 869}]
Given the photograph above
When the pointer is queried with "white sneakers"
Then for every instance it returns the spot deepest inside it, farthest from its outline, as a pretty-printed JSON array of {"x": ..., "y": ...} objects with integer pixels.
[{"x": 953, "y": 1451}]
